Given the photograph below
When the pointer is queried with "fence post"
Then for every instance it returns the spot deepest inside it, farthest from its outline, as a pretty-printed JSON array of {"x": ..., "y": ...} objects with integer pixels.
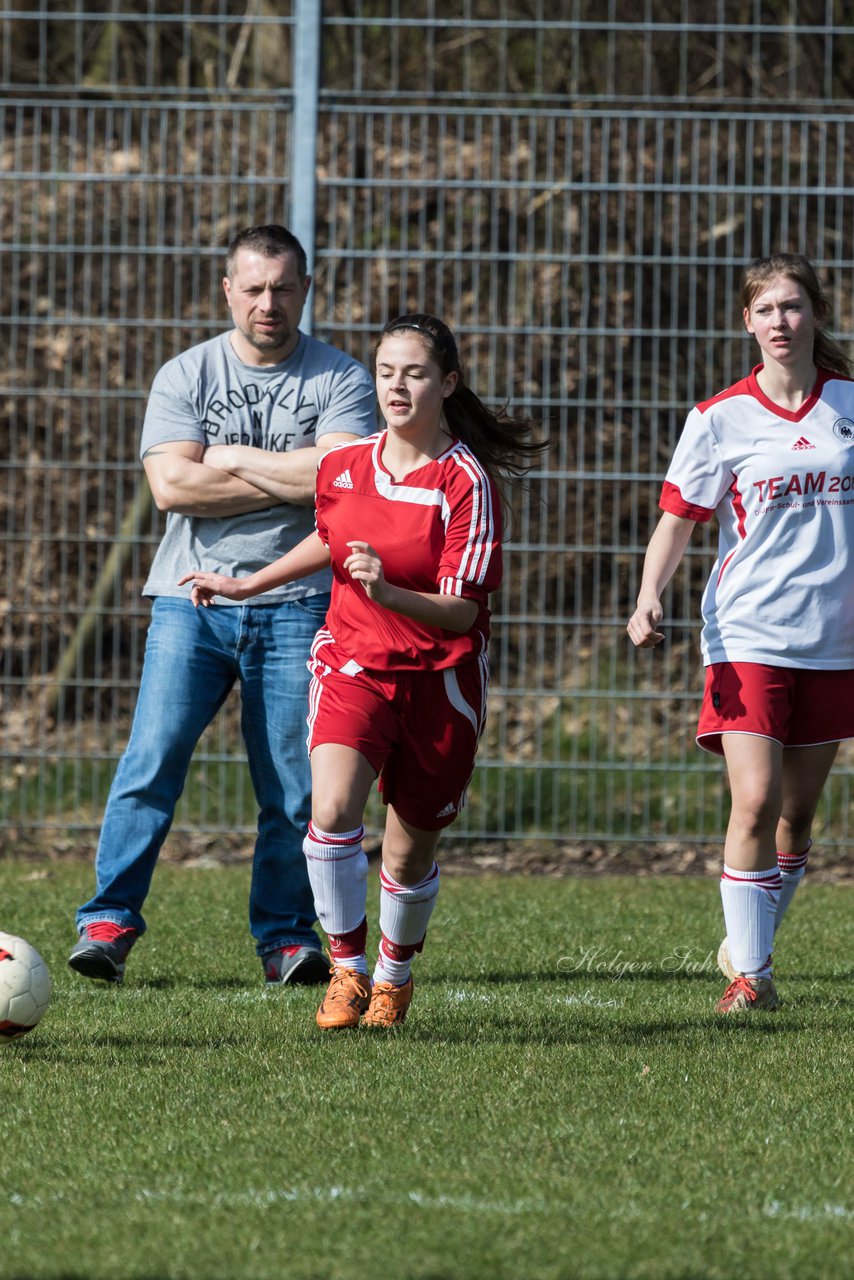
[{"x": 304, "y": 142}]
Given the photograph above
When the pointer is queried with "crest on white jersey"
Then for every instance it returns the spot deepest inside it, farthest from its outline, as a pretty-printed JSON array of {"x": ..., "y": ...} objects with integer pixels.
[{"x": 843, "y": 429}]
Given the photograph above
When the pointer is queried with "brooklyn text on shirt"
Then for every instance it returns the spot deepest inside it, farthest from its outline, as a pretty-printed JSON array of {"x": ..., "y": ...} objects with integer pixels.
[{"x": 301, "y": 414}]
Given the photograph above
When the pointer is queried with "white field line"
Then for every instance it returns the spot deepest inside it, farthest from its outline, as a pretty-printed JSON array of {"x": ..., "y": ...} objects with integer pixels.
[
  {"x": 269, "y": 1197},
  {"x": 809, "y": 1212}
]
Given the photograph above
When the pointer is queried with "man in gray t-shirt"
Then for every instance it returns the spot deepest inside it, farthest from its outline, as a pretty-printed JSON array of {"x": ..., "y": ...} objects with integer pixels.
[{"x": 230, "y": 444}]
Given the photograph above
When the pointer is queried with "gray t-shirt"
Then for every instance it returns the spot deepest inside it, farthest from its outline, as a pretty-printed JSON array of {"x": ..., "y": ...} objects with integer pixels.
[{"x": 209, "y": 395}]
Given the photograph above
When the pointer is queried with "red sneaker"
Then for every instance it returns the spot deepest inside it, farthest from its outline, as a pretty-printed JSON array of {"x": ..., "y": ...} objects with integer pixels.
[
  {"x": 102, "y": 950},
  {"x": 303, "y": 965}
]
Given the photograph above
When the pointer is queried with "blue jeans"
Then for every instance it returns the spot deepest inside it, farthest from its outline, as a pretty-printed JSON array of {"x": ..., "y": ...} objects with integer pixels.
[{"x": 192, "y": 659}]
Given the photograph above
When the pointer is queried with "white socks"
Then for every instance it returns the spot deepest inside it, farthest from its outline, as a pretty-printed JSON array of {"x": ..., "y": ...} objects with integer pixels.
[
  {"x": 338, "y": 873},
  {"x": 405, "y": 912},
  {"x": 753, "y": 901},
  {"x": 792, "y": 867},
  {"x": 750, "y": 907}
]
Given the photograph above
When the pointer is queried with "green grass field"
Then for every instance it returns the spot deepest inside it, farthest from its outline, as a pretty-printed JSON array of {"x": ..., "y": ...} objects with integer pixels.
[{"x": 561, "y": 1103}]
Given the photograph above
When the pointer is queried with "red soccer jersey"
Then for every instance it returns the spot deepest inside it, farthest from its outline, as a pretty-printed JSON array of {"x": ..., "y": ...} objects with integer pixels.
[{"x": 437, "y": 531}]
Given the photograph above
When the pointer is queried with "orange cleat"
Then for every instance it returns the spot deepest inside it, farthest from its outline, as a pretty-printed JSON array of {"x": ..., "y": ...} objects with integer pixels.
[
  {"x": 748, "y": 994},
  {"x": 389, "y": 1004},
  {"x": 347, "y": 997}
]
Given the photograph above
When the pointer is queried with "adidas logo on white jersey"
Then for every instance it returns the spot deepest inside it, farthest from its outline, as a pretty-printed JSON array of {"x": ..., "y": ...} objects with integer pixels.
[
  {"x": 449, "y": 808},
  {"x": 803, "y": 443},
  {"x": 344, "y": 481}
]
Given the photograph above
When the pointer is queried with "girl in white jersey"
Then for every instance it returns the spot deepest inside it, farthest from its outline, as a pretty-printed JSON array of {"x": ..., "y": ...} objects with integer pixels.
[
  {"x": 410, "y": 521},
  {"x": 773, "y": 459}
]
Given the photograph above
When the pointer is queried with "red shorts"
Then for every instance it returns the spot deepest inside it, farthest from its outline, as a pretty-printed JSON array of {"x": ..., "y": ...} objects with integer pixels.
[
  {"x": 792, "y": 705},
  {"x": 418, "y": 729}
]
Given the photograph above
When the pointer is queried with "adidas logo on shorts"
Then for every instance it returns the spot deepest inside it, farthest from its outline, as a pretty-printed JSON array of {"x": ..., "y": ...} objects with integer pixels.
[{"x": 344, "y": 481}]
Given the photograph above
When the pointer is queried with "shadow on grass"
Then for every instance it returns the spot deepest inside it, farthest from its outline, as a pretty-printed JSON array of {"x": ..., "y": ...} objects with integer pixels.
[
  {"x": 809, "y": 1003},
  {"x": 141, "y": 1050},
  {"x": 817, "y": 975},
  {"x": 567, "y": 1027},
  {"x": 580, "y": 1029},
  {"x": 193, "y": 981}
]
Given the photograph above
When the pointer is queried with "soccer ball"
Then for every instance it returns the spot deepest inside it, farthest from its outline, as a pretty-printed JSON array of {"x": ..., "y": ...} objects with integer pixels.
[{"x": 24, "y": 987}]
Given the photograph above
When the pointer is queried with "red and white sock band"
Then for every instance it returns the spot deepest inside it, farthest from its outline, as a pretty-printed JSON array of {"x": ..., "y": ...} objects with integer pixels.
[{"x": 794, "y": 864}]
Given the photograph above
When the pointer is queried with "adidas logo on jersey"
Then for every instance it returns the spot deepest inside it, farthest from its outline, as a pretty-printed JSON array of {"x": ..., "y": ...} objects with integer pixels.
[
  {"x": 803, "y": 443},
  {"x": 448, "y": 809},
  {"x": 344, "y": 481}
]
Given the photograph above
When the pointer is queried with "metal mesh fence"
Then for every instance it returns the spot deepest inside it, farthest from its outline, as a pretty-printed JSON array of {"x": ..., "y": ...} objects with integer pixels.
[{"x": 574, "y": 187}]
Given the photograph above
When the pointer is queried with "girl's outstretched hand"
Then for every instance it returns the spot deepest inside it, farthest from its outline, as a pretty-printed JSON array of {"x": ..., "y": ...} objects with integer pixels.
[{"x": 208, "y": 585}]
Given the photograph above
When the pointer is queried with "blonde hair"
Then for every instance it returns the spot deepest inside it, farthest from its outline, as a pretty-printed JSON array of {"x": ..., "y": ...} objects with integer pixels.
[{"x": 758, "y": 275}]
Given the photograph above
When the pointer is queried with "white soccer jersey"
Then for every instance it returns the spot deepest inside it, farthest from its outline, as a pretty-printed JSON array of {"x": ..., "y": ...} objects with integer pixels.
[
  {"x": 436, "y": 531},
  {"x": 781, "y": 484}
]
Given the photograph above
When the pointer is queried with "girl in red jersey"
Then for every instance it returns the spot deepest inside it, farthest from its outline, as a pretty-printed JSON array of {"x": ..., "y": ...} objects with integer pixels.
[
  {"x": 411, "y": 522},
  {"x": 773, "y": 458}
]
